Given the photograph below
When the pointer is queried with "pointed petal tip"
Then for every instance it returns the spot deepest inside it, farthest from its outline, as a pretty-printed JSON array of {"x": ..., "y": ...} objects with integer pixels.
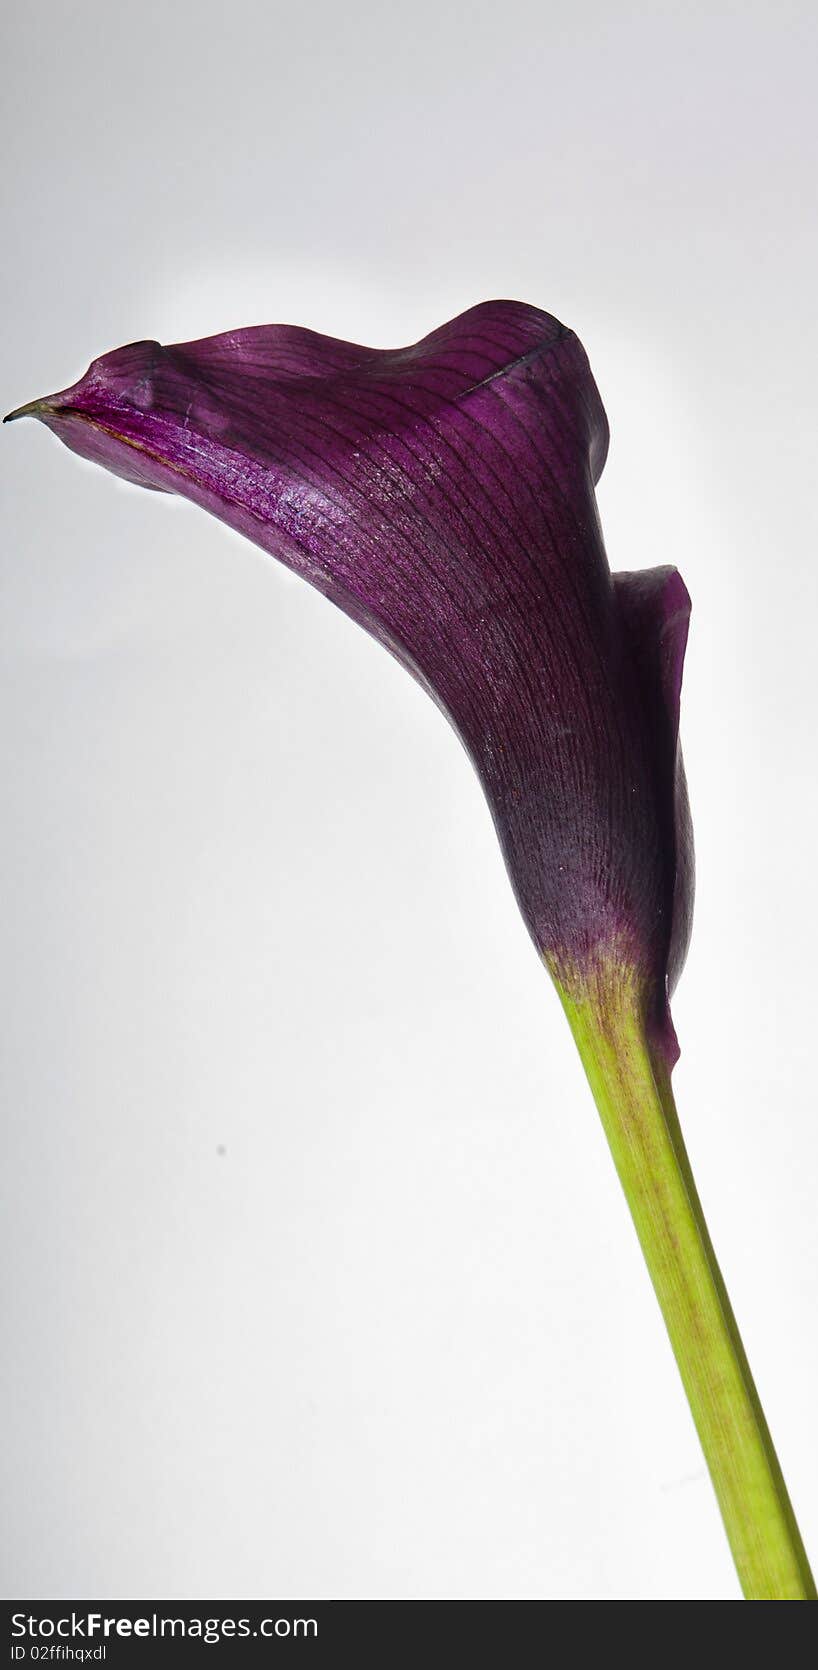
[{"x": 33, "y": 408}]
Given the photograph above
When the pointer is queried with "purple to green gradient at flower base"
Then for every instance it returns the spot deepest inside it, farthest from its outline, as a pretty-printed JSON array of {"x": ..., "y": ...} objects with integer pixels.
[{"x": 443, "y": 496}]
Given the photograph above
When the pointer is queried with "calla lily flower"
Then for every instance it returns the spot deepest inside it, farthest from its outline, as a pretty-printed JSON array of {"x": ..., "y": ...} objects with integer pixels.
[{"x": 443, "y": 496}]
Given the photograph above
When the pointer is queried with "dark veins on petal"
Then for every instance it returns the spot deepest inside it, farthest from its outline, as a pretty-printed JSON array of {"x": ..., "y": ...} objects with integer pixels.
[{"x": 443, "y": 496}]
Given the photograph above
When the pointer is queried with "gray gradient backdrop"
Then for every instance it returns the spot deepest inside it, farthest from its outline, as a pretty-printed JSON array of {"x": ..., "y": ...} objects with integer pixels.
[{"x": 319, "y": 1281}]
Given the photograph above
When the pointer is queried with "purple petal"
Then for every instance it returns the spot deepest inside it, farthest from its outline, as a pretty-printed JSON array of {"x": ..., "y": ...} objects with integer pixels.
[
  {"x": 443, "y": 496},
  {"x": 654, "y": 607}
]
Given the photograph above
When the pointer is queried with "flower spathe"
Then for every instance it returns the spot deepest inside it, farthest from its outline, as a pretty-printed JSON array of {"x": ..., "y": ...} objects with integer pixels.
[{"x": 443, "y": 496}]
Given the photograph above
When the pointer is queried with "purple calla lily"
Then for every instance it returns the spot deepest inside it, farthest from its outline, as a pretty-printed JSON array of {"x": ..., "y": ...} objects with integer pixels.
[{"x": 443, "y": 495}]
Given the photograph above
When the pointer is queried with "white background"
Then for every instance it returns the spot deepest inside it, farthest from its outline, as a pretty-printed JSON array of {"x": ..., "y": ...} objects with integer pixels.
[{"x": 397, "y": 1339}]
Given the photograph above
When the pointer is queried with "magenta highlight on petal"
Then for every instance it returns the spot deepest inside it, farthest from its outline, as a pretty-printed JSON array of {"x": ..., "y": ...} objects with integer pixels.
[{"x": 443, "y": 496}]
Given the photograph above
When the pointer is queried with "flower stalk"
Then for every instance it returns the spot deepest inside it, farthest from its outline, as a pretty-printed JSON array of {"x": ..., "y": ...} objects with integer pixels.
[{"x": 631, "y": 1085}]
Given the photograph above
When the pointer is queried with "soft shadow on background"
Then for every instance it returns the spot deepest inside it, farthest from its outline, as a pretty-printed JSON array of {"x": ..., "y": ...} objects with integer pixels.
[{"x": 321, "y": 1282}]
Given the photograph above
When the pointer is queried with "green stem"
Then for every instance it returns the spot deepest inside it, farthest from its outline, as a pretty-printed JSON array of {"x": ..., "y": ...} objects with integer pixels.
[{"x": 631, "y": 1086}]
